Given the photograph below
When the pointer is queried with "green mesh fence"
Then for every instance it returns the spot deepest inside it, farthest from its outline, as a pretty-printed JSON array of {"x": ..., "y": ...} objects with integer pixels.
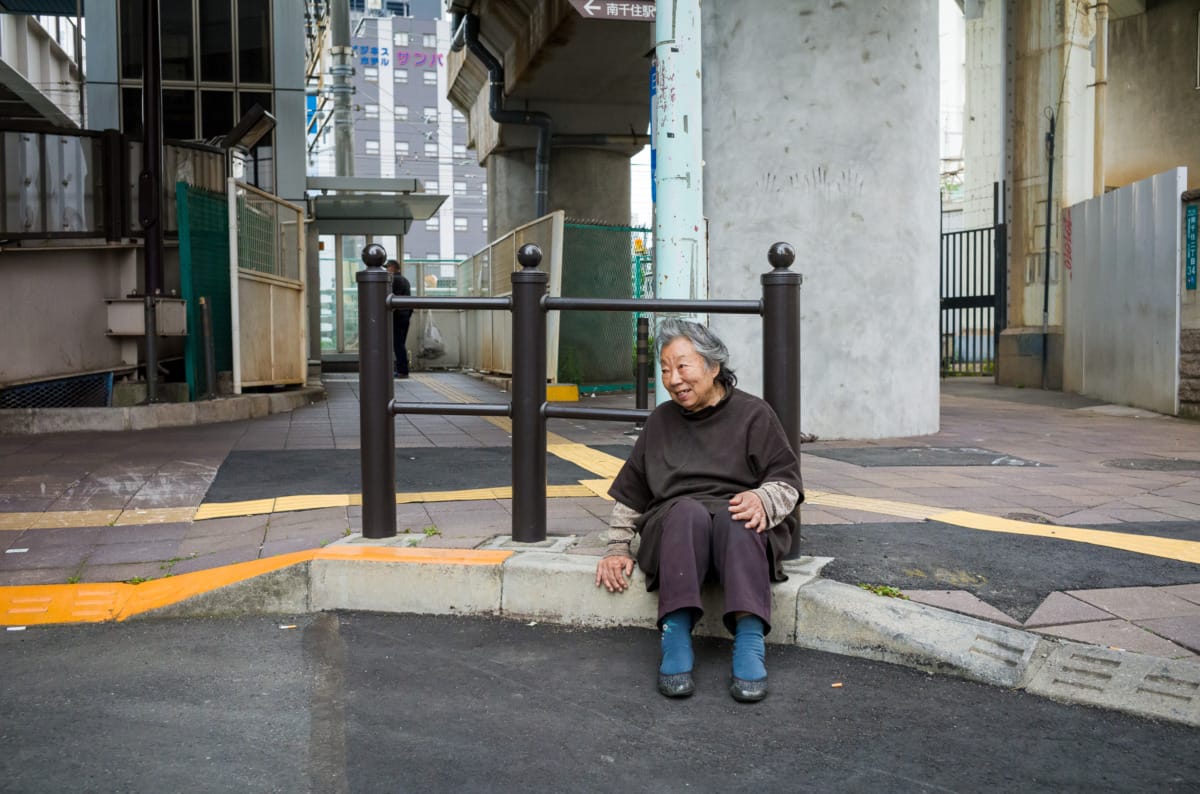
[
  {"x": 204, "y": 272},
  {"x": 599, "y": 262}
]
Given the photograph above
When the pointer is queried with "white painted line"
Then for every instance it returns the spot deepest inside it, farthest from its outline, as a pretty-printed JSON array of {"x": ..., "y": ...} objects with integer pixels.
[
  {"x": 15, "y": 551},
  {"x": 14, "y": 628}
]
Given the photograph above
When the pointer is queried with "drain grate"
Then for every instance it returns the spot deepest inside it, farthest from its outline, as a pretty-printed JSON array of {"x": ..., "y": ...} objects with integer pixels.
[
  {"x": 83, "y": 391},
  {"x": 1154, "y": 464}
]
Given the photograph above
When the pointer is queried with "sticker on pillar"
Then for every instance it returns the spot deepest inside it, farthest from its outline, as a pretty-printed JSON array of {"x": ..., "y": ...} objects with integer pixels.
[{"x": 1190, "y": 255}]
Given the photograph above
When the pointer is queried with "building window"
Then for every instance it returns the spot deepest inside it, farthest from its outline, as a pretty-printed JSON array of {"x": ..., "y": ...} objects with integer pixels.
[
  {"x": 431, "y": 150},
  {"x": 401, "y": 39},
  {"x": 371, "y": 74},
  {"x": 402, "y": 112},
  {"x": 429, "y": 40},
  {"x": 372, "y": 147},
  {"x": 407, "y": 255},
  {"x": 432, "y": 256},
  {"x": 459, "y": 118},
  {"x": 460, "y": 188},
  {"x": 460, "y": 150},
  {"x": 400, "y": 75},
  {"x": 433, "y": 224},
  {"x": 175, "y": 39},
  {"x": 371, "y": 111},
  {"x": 430, "y": 77},
  {"x": 254, "y": 41},
  {"x": 483, "y": 188},
  {"x": 431, "y": 186},
  {"x": 460, "y": 224},
  {"x": 398, "y": 8},
  {"x": 429, "y": 114},
  {"x": 402, "y": 147}
]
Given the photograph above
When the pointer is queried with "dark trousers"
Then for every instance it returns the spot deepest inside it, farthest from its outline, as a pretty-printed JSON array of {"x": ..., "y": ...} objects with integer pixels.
[
  {"x": 400, "y": 322},
  {"x": 698, "y": 545}
]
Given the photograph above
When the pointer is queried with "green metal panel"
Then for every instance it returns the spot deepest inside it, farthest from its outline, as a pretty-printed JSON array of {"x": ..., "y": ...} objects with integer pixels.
[
  {"x": 204, "y": 272},
  {"x": 598, "y": 262}
]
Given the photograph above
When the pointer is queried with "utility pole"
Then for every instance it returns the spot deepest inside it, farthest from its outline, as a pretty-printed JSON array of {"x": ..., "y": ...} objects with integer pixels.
[
  {"x": 150, "y": 199},
  {"x": 680, "y": 234}
]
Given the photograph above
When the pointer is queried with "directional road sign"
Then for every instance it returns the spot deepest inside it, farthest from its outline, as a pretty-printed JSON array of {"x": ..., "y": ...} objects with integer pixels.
[{"x": 637, "y": 11}]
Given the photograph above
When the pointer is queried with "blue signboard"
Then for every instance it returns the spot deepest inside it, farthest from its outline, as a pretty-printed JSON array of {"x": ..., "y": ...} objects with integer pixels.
[{"x": 1190, "y": 254}]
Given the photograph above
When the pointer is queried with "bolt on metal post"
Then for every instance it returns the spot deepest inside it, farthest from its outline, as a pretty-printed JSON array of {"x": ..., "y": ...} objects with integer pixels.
[
  {"x": 528, "y": 397},
  {"x": 375, "y": 391},
  {"x": 781, "y": 349}
]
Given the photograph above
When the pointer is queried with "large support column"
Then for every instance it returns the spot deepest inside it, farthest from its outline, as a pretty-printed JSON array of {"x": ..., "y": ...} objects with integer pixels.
[
  {"x": 1051, "y": 72},
  {"x": 843, "y": 162},
  {"x": 588, "y": 184}
]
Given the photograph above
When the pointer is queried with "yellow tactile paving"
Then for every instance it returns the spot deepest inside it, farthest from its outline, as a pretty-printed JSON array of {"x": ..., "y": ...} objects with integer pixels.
[
  {"x": 33, "y": 605},
  {"x": 254, "y": 507},
  {"x": 284, "y": 504},
  {"x": 159, "y": 515},
  {"x": 598, "y": 487},
  {"x": 599, "y": 463},
  {"x": 75, "y": 518},
  {"x": 1184, "y": 550}
]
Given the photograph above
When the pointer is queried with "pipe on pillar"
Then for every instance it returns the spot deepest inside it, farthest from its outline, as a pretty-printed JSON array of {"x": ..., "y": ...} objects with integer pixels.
[
  {"x": 1099, "y": 97},
  {"x": 470, "y": 28},
  {"x": 680, "y": 236},
  {"x": 150, "y": 197},
  {"x": 341, "y": 86}
]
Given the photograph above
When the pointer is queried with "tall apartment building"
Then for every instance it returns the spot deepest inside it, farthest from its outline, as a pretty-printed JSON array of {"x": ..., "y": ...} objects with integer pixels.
[{"x": 404, "y": 125}]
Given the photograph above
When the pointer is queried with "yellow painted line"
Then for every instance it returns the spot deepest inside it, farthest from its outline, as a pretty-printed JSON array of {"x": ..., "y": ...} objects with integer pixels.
[
  {"x": 598, "y": 488},
  {"x": 75, "y": 518},
  {"x": 17, "y": 521},
  {"x": 1170, "y": 548},
  {"x": 284, "y": 504},
  {"x": 884, "y": 506},
  {"x": 32, "y": 605},
  {"x": 599, "y": 463},
  {"x": 159, "y": 515},
  {"x": 254, "y": 507}
]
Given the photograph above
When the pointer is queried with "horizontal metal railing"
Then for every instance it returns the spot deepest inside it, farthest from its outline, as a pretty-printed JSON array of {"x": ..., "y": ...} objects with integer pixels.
[{"x": 529, "y": 304}]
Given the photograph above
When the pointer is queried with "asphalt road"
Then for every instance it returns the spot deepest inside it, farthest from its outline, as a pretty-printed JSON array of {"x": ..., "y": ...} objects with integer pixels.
[
  {"x": 1013, "y": 573},
  {"x": 362, "y": 702}
]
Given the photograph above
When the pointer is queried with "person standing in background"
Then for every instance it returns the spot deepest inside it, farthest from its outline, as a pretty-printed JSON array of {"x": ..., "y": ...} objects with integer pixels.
[{"x": 400, "y": 320}]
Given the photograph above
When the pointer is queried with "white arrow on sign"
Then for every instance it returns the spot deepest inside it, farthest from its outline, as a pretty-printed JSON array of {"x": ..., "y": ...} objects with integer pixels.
[{"x": 590, "y": 7}]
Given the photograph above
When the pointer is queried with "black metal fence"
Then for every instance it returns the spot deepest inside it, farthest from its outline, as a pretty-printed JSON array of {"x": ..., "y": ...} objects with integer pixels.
[
  {"x": 973, "y": 309},
  {"x": 779, "y": 308}
]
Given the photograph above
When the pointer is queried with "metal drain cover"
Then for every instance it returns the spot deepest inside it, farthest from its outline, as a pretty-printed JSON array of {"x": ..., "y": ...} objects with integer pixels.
[
  {"x": 919, "y": 456},
  {"x": 1154, "y": 464}
]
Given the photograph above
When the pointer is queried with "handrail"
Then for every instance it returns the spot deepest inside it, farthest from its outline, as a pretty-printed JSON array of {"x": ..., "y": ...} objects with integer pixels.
[{"x": 529, "y": 304}]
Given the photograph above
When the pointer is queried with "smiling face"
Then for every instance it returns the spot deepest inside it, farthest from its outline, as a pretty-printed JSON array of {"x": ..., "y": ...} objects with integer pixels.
[{"x": 688, "y": 378}]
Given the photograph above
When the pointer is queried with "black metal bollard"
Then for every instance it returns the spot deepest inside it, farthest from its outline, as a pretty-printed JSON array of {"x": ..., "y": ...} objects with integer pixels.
[
  {"x": 643, "y": 361},
  {"x": 781, "y": 348},
  {"x": 375, "y": 391},
  {"x": 528, "y": 397}
]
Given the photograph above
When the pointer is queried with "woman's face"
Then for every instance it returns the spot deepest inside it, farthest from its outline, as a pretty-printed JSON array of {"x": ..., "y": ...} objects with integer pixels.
[{"x": 688, "y": 377}]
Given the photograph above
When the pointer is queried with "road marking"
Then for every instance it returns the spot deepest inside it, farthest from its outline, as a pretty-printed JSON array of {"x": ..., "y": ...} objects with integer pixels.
[{"x": 32, "y": 605}]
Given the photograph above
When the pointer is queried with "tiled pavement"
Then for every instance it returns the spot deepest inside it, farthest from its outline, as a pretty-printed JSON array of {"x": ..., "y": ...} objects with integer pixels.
[{"x": 82, "y": 507}]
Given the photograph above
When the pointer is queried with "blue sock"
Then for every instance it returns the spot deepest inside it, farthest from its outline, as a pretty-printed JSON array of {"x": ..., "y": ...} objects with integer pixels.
[
  {"x": 677, "y": 643},
  {"x": 748, "y": 649}
]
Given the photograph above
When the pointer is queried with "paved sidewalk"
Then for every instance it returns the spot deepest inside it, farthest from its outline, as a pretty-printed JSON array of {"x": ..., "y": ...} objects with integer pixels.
[{"x": 1030, "y": 509}]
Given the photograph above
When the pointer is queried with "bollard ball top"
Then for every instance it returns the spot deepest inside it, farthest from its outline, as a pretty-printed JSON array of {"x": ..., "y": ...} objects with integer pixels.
[
  {"x": 530, "y": 256},
  {"x": 374, "y": 255},
  {"x": 781, "y": 256}
]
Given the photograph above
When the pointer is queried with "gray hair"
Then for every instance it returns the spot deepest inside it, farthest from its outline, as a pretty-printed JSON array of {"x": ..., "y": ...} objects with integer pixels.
[{"x": 708, "y": 346}]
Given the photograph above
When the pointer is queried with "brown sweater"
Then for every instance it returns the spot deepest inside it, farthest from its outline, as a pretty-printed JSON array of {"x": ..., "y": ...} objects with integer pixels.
[{"x": 709, "y": 455}]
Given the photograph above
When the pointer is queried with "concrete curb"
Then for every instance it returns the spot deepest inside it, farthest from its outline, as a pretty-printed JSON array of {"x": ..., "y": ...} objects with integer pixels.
[
  {"x": 35, "y": 421},
  {"x": 808, "y": 611}
]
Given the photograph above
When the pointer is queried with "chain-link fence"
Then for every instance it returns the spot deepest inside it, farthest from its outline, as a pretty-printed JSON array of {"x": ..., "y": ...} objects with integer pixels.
[
  {"x": 269, "y": 232},
  {"x": 204, "y": 273}
]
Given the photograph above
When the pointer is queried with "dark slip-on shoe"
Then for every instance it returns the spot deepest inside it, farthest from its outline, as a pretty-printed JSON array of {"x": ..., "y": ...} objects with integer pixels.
[
  {"x": 745, "y": 691},
  {"x": 678, "y": 685}
]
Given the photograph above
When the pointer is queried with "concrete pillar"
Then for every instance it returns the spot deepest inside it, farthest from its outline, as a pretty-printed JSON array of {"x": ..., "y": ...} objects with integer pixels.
[
  {"x": 591, "y": 184},
  {"x": 842, "y": 162},
  {"x": 1051, "y": 70}
]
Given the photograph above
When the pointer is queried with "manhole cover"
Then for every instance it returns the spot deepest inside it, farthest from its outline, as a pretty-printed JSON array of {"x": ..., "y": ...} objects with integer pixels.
[
  {"x": 1154, "y": 464},
  {"x": 920, "y": 456}
]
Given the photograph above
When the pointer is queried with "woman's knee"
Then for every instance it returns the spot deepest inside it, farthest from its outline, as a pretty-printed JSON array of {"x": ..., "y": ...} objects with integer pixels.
[{"x": 687, "y": 512}]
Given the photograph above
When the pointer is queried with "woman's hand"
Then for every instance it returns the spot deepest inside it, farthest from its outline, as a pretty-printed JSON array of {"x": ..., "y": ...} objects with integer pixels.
[
  {"x": 614, "y": 572},
  {"x": 747, "y": 507}
]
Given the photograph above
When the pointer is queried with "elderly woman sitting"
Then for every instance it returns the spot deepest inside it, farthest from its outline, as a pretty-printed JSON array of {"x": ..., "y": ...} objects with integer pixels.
[{"x": 710, "y": 486}]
